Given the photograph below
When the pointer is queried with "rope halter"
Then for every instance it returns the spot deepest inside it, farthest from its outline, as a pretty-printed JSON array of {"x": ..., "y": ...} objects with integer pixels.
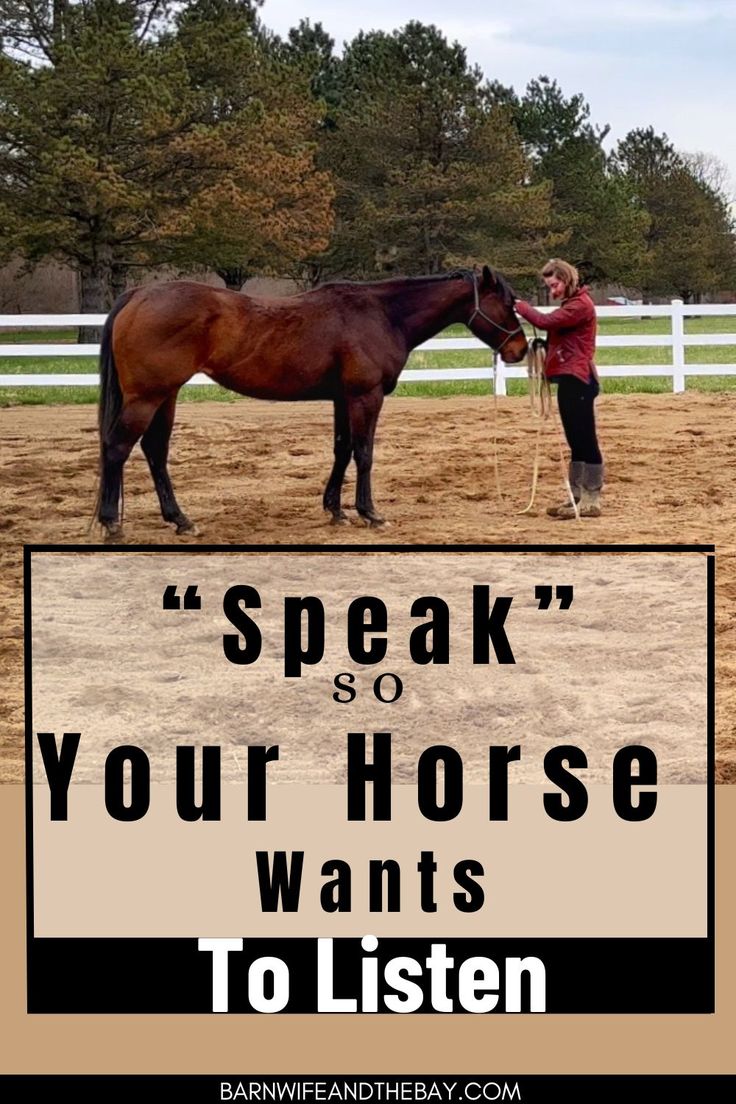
[{"x": 477, "y": 310}]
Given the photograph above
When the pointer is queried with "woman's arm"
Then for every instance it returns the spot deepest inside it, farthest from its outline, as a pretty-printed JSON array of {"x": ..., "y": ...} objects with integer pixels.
[{"x": 569, "y": 314}]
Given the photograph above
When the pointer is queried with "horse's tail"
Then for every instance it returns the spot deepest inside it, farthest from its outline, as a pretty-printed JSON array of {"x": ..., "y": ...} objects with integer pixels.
[{"x": 111, "y": 395}]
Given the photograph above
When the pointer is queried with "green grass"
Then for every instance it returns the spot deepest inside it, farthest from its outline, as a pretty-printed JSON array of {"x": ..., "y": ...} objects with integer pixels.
[
  {"x": 648, "y": 385},
  {"x": 79, "y": 396},
  {"x": 719, "y": 354},
  {"x": 64, "y": 336}
]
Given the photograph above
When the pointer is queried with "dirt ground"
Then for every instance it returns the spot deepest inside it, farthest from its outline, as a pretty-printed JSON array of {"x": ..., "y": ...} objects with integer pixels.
[{"x": 253, "y": 473}]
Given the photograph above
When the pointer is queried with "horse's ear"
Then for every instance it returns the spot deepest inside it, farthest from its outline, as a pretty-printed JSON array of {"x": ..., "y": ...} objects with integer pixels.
[{"x": 489, "y": 277}]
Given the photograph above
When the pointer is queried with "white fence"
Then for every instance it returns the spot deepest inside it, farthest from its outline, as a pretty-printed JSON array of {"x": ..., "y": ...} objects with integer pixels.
[{"x": 676, "y": 339}]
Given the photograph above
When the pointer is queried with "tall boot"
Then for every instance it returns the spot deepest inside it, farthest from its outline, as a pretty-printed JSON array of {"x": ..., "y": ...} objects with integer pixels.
[
  {"x": 590, "y": 500},
  {"x": 589, "y": 504},
  {"x": 576, "y": 475}
]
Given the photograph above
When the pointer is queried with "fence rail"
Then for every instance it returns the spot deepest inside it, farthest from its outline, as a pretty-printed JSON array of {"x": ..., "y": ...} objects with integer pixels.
[{"x": 676, "y": 339}]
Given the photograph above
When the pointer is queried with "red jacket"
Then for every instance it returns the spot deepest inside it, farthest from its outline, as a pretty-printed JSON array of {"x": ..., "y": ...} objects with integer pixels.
[{"x": 572, "y": 329}]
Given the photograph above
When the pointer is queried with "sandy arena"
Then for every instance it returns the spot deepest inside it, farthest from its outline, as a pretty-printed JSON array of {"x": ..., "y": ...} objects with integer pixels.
[{"x": 253, "y": 473}]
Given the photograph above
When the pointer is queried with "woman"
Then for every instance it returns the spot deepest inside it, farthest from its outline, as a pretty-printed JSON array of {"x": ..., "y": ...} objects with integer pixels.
[{"x": 570, "y": 353}]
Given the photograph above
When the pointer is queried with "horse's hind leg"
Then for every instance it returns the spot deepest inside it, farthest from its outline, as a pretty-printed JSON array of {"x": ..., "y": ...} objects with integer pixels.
[
  {"x": 363, "y": 412},
  {"x": 135, "y": 417},
  {"x": 343, "y": 451},
  {"x": 155, "y": 445}
]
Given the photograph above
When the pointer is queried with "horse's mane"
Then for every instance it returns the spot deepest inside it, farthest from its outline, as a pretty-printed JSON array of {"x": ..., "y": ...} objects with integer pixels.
[
  {"x": 504, "y": 286},
  {"x": 453, "y": 274},
  {"x": 507, "y": 291}
]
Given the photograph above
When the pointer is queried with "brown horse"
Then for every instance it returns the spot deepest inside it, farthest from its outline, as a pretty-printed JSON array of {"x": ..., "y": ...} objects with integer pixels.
[{"x": 344, "y": 342}]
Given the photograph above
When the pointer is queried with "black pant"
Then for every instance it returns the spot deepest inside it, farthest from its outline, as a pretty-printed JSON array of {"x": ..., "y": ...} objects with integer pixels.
[{"x": 575, "y": 400}]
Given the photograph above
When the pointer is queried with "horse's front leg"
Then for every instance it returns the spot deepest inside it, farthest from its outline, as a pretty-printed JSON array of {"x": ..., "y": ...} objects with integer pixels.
[
  {"x": 363, "y": 411},
  {"x": 343, "y": 449}
]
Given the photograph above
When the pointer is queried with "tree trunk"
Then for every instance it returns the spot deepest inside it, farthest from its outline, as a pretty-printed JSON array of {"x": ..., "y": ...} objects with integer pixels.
[
  {"x": 118, "y": 281},
  {"x": 314, "y": 273},
  {"x": 94, "y": 292},
  {"x": 308, "y": 275},
  {"x": 234, "y": 277}
]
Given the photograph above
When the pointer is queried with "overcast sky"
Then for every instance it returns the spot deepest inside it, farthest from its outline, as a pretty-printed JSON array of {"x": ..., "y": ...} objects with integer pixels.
[{"x": 670, "y": 64}]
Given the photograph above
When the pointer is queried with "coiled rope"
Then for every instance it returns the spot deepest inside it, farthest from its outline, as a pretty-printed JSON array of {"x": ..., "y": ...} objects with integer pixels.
[
  {"x": 540, "y": 402},
  {"x": 542, "y": 408}
]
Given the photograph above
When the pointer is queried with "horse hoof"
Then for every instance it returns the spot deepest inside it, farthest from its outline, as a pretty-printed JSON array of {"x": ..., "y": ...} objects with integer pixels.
[
  {"x": 340, "y": 519},
  {"x": 113, "y": 534},
  {"x": 186, "y": 526},
  {"x": 373, "y": 521}
]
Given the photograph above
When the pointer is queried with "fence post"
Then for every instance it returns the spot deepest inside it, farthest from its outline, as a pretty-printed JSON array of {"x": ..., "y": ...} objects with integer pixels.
[
  {"x": 500, "y": 376},
  {"x": 678, "y": 346}
]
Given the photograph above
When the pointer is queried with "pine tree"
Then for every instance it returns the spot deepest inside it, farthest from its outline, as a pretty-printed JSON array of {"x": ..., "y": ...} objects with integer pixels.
[
  {"x": 428, "y": 166},
  {"x": 601, "y": 228},
  {"x": 691, "y": 246},
  {"x": 128, "y": 140}
]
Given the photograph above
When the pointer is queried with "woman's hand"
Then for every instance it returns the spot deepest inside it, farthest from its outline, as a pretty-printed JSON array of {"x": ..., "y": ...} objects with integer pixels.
[{"x": 521, "y": 307}]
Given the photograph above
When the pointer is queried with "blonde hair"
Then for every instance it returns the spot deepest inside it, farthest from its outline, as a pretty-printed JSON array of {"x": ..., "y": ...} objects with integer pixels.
[{"x": 563, "y": 271}]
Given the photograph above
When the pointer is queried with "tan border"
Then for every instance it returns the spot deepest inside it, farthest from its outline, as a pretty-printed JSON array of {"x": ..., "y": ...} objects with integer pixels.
[{"x": 350, "y": 1044}]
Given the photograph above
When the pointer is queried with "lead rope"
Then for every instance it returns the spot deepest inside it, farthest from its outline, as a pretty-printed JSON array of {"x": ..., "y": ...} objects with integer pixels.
[
  {"x": 542, "y": 408},
  {"x": 540, "y": 403},
  {"x": 496, "y": 472},
  {"x": 509, "y": 334},
  {"x": 539, "y": 392}
]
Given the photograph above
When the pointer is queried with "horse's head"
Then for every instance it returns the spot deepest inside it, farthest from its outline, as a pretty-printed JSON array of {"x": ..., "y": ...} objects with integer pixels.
[{"x": 492, "y": 318}]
